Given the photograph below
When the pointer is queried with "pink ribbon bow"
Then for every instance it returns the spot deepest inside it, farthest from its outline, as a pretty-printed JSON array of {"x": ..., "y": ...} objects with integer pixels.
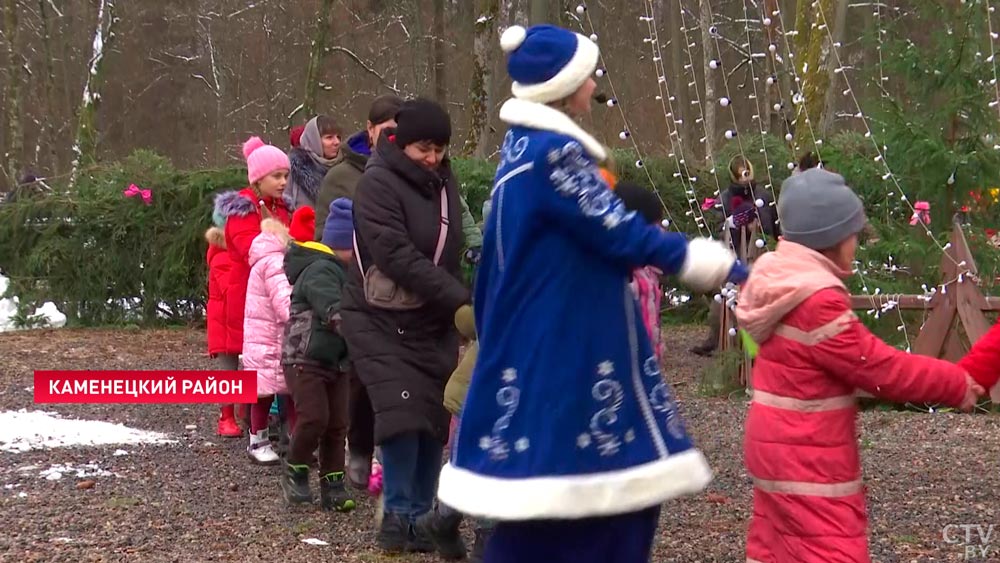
[{"x": 134, "y": 190}]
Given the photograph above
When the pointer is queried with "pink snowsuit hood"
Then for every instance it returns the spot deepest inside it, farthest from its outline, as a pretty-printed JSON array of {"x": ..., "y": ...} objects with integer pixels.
[{"x": 267, "y": 307}]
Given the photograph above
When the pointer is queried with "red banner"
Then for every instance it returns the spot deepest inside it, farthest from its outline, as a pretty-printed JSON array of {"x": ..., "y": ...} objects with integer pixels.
[{"x": 145, "y": 386}]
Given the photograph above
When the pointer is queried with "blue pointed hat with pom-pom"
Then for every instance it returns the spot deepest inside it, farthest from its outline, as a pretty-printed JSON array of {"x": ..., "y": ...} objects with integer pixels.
[{"x": 547, "y": 63}]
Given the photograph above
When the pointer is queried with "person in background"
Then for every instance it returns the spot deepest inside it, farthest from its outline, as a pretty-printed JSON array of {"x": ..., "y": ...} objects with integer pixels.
[
  {"x": 744, "y": 205},
  {"x": 401, "y": 332},
  {"x": 569, "y": 436},
  {"x": 314, "y": 356},
  {"x": 219, "y": 264},
  {"x": 295, "y": 136},
  {"x": 267, "y": 173},
  {"x": 340, "y": 183},
  {"x": 801, "y": 446},
  {"x": 310, "y": 162},
  {"x": 264, "y": 321},
  {"x": 646, "y": 280}
]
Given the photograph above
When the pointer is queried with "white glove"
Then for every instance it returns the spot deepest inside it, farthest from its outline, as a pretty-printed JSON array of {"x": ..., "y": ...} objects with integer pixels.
[{"x": 707, "y": 264}]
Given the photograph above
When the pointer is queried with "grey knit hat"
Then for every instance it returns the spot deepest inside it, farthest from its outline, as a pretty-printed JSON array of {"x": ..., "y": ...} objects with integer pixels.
[{"x": 818, "y": 210}]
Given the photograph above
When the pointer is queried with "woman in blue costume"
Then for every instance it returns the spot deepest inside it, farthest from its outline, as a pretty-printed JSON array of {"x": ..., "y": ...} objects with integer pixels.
[{"x": 569, "y": 438}]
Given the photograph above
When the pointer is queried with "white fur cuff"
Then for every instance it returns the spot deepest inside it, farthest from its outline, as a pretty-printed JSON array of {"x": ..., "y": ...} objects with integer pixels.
[{"x": 707, "y": 264}]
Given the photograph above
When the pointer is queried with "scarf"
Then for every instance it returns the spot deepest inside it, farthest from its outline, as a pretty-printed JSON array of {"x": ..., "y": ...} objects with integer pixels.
[{"x": 312, "y": 142}]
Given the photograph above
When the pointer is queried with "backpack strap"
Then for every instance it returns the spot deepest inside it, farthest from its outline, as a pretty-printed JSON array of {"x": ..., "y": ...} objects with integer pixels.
[{"x": 442, "y": 234}]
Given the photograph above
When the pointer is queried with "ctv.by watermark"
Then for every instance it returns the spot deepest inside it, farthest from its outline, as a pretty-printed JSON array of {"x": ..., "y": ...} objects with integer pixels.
[{"x": 976, "y": 540}]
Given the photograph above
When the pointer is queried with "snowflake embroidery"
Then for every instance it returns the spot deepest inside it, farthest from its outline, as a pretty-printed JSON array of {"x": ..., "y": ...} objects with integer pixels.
[
  {"x": 583, "y": 441},
  {"x": 630, "y": 436},
  {"x": 574, "y": 175},
  {"x": 609, "y": 392},
  {"x": 509, "y": 375},
  {"x": 485, "y": 442},
  {"x": 651, "y": 367},
  {"x": 605, "y": 368},
  {"x": 521, "y": 444},
  {"x": 508, "y": 398},
  {"x": 662, "y": 402}
]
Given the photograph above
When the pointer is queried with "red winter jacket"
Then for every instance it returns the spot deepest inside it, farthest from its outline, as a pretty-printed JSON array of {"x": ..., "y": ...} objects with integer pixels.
[
  {"x": 983, "y": 362},
  {"x": 243, "y": 217},
  {"x": 219, "y": 265},
  {"x": 801, "y": 440}
]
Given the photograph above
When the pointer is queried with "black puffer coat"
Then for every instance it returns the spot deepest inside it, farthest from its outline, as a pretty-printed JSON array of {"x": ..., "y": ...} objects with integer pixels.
[{"x": 404, "y": 358}]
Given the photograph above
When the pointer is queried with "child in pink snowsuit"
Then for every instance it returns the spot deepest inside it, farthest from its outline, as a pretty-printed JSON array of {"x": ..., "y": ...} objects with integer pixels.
[{"x": 646, "y": 281}]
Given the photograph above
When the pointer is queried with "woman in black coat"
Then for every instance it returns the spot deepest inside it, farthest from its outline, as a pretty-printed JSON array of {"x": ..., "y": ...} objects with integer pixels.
[{"x": 404, "y": 357}]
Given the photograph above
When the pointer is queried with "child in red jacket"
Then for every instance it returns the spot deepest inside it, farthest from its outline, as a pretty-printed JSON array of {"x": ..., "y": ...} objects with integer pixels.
[
  {"x": 219, "y": 265},
  {"x": 801, "y": 444},
  {"x": 983, "y": 362}
]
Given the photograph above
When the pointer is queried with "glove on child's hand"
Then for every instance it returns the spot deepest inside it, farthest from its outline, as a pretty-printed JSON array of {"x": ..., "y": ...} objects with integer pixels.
[
  {"x": 707, "y": 265},
  {"x": 739, "y": 273}
]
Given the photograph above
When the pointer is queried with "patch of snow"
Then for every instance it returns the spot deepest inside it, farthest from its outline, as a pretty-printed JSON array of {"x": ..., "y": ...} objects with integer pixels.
[
  {"x": 62, "y": 540},
  {"x": 22, "y": 494},
  {"x": 57, "y": 471},
  {"x": 314, "y": 541},
  {"x": 120, "y": 453},
  {"x": 191, "y": 427},
  {"x": 48, "y": 315},
  {"x": 23, "y": 430}
]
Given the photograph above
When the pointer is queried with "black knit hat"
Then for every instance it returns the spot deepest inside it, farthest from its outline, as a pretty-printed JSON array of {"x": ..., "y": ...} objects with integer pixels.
[
  {"x": 639, "y": 199},
  {"x": 422, "y": 120}
]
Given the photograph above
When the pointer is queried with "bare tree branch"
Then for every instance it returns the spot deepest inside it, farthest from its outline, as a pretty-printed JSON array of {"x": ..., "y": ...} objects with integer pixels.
[{"x": 365, "y": 66}]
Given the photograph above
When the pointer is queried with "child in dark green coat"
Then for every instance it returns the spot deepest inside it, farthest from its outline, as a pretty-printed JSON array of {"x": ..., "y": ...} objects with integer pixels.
[{"x": 314, "y": 356}]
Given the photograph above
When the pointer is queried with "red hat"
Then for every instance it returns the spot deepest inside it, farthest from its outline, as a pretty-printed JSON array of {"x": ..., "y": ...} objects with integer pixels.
[
  {"x": 303, "y": 227},
  {"x": 295, "y": 135}
]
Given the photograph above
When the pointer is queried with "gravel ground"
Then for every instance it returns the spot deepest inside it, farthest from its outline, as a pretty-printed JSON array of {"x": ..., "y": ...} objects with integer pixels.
[{"x": 201, "y": 500}]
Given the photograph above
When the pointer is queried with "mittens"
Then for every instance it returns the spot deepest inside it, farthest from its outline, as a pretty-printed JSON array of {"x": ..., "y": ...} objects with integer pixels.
[{"x": 707, "y": 265}]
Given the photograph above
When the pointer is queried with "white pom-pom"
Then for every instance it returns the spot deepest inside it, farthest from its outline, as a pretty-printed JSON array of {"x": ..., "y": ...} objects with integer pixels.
[{"x": 512, "y": 38}]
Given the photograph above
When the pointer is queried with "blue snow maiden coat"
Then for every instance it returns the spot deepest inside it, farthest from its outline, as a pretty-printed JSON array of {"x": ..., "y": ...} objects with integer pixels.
[{"x": 567, "y": 415}]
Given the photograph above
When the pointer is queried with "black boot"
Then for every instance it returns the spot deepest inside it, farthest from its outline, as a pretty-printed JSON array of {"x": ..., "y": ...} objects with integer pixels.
[
  {"x": 419, "y": 541},
  {"x": 479, "y": 547},
  {"x": 442, "y": 527},
  {"x": 333, "y": 495},
  {"x": 295, "y": 484},
  {"x": 393, "y": 534}
]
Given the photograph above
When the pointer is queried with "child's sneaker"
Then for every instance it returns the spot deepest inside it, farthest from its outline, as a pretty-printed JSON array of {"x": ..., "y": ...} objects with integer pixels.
[
  {"x": 295, "y": 484},
  {"x": 260, "y": 450},
  {"x": 333, "y": 495}
]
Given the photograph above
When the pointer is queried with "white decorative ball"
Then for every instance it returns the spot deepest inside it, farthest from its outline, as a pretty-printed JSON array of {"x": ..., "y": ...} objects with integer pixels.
[
  {"x": 512, "y": 38},
  {"x": 713, "y": 64},
  {"x": 730, "y": 134},
  {"x": 723, "y": 102},
  {"x": 665, "y": 223},
  {"x": 732, "y": 332},
  {"x": 791, "y": 166},
  {"x": 718, "y": 298},
  {"x": 770, "y": 81},
  {"x": 623, "y": 135},
  {"x": 638, "y": 164},
  {"x": 759, "y": 243},
  {"x": 772, "y": 48},
  {"x": 788, "y": 137},
  {"x": 767, "y": 21},
  {"x": 600, "y": 72},
  {"x": 593, "y": 37},
  {"x": 581, "y": 9},
  {"x": 777, "y": 107},
  {"x": 759, "y": 202},
  {"x": 612, "y": 102}
]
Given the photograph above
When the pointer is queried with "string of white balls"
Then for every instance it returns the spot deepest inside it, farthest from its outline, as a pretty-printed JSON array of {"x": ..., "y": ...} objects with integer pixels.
[
  {"x": 839, "y": 70},
  {"x": 626, "y": 134},
  {"x": 672, "y": 121},
  {"x": 992, "y": 60}
]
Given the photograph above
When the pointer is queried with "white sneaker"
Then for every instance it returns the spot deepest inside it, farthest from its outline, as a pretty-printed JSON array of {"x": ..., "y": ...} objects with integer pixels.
[{"x": 260, "y": 450}]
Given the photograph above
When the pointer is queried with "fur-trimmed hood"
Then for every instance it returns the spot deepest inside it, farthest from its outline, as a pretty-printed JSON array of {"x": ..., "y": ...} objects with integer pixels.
[
  {"x": 216, "y": 237},
  {"x": 236, "y": 203},
  {"x": 273, "y": 239}
]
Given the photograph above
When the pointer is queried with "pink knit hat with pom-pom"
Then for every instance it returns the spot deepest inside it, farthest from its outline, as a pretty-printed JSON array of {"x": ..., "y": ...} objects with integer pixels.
[{"x": 263, "y": 159}]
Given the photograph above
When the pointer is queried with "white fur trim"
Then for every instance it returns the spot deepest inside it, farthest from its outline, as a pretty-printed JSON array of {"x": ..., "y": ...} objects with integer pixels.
[
  {"x": 706, "y": 265},
  {"x": 567, "y": 80},
  {"x": 576, "y": 496},
  {"x": 544, "y": 118},
  {"x": 512, "y": 38}
]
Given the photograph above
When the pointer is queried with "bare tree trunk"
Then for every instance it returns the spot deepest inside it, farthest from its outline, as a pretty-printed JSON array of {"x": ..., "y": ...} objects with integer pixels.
[
  {"x": 811, "y": 56},
  {"x": 47, "y": 135},
  {"x": 438, "y": 53},
  {"x": 708, "y": 102},
  {"x": 839, "y": 24},
  {"x": 11, "y": 165},
  {"x": 316, "y": 56},
  {"x": 540, "y": 12},
  {"x": 85, "y": 147},
  {"x": 482, "y": 78}
]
